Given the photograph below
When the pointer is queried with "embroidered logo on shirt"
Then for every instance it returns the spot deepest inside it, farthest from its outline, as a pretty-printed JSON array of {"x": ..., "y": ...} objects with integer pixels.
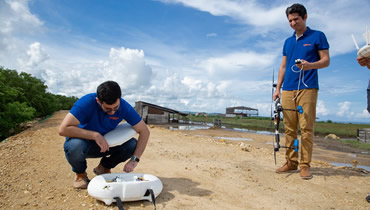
[
  {"x": 306, "y": 45},
  {"x": 113, "y": 118}
]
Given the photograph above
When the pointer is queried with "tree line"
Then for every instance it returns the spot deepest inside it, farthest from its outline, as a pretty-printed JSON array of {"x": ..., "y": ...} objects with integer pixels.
[{"x": 23, "y": 98}]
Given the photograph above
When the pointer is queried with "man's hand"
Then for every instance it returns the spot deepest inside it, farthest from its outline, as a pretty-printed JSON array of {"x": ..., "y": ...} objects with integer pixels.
[
  {"x": 364, "y": 61},
  {"x": 322, "y": 63},
  {"x": 101, "y": 142},
  {"x": 305, "y": 65},
  {"x": 69, "y": 127},
  {"x": 276, "y": 94},
  {"x": 130, "y": 166}
]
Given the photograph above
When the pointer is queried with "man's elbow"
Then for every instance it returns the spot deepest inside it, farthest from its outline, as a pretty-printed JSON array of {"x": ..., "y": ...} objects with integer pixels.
[
  {"x": 324, "y": 63},
  {"x": 61, "y": 131},
  {"x": 144, "y": 131}
]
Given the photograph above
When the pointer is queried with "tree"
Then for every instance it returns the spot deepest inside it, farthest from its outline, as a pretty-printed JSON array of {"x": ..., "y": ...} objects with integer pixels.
[{"x": 24, "y": 97}]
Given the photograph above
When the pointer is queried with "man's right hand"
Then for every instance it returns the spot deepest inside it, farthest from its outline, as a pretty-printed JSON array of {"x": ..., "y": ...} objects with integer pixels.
[
  {"x": 101, "y": 142},
  {"x": 276, "y": 94}
]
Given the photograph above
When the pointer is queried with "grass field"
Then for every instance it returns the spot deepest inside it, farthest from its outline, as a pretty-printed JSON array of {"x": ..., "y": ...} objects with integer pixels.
[{"x": 342, "y": 130}]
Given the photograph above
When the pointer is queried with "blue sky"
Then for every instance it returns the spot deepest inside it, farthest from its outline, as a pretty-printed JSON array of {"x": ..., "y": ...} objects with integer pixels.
[{"x": 188, "y": 55}]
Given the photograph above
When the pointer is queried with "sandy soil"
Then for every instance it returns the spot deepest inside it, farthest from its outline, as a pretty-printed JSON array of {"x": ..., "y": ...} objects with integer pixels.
[{"x": 198, "y": 171}]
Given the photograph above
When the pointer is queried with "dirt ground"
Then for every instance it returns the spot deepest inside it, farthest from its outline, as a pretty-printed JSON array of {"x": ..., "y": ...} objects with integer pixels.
[{"x": 199, "y": 170}]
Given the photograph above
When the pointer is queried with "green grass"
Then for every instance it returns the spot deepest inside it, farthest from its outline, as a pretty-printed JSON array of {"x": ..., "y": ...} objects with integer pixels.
[
  {"x": 342, "y": 130},
  {"x": 356, "y": 144}
]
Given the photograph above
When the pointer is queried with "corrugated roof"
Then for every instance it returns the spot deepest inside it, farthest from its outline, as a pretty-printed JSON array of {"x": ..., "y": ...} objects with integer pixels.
[{"x": 162, "y": 108}]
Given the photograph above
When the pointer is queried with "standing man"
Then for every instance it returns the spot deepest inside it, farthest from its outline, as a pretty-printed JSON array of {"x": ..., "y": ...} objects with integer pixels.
[
  {"x": 91, "y": 117},
  {"x": 299, "y": 81}
]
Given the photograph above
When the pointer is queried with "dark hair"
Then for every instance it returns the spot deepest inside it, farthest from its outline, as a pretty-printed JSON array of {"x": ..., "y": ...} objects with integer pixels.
[
  {"x": 296, "y": 8},
  {"x": 109, "y": 92}
]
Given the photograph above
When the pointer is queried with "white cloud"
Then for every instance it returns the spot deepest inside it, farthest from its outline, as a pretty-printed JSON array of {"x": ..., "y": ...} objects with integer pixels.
[
  {"x": 32, "y": 61},
  {"x": 344, "y": 109},
  {"x": 15, "y": 16},
  {"x": 321, "y": 108},
  {"x": 247, "y": 12},
  {"x": 264, "y": 109},
  {"x": 363, "y": 115},
  {"x": 236, "y": 62},
  {"x": 340, "y": 22},
  {"x": 211, "y": 35},
  {"x": 15, "y": 20},
  {"x": 128, "y": 67}
]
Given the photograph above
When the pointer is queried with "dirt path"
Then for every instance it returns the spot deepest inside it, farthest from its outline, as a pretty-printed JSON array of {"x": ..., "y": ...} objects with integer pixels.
[{"x": 197, "y": 171}]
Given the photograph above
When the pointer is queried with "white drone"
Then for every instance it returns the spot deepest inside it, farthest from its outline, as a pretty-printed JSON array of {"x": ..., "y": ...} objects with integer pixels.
[{"x": 365, "y": 50}]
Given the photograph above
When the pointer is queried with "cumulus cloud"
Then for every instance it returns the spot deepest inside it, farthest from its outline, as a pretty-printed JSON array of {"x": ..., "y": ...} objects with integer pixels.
[
  {"x": 124, "y": 65},
  {"x": 363, "y": 115},
  {"x": 344, "y": 109},
  {"x": 321, "y": 108},
  {"x": 128, "y": 67},
  {"x": 15, "y": 16},
  {"x": 32, "y": 61},
  {"x": 15, "y": 20}
]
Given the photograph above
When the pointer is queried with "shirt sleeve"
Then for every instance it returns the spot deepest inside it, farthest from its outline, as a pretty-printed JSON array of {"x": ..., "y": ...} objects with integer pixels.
[
  {"x": 323, "y": 43},
  {"x": 81, "y": 110},
  {"x": 130, "y": 114}
]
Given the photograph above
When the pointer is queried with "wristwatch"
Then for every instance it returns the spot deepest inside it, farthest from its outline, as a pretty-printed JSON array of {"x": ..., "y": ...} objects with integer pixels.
[{"x": 134, "y": 158}]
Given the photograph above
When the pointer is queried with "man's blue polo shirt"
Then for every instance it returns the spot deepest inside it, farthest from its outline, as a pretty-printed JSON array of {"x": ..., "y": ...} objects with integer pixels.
[
  {"x": 92, "y": 117},
  {"x": 306, "y": 47}
]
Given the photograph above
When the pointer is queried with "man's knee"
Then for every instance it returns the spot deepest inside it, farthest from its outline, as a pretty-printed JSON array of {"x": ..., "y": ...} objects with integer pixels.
[
  {"x": 130, "y": 145},
  {"x": 127, "y": 148},
  {"x": 75, "y": 149}
]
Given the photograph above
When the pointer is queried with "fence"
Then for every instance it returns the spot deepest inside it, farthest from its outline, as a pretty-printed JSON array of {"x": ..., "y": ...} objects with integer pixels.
[{"x": 363, "y": 135}]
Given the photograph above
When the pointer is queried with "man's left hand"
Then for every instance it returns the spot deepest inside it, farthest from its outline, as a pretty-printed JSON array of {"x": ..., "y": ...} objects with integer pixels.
[
  {"x": 130, "y": 166},
  {"x": 303, "y": 65}
]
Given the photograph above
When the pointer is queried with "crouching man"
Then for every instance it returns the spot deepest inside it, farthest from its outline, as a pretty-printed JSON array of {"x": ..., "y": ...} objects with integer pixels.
[{"x": 92, "y": 116}]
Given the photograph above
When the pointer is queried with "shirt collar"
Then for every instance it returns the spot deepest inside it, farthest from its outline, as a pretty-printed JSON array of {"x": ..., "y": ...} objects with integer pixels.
[{"x": 304, "y": 33}]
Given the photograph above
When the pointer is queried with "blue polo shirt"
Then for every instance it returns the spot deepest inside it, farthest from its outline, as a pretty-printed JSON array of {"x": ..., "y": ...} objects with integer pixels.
[
  {"x": 92, "y": 117},
  {"x": 306, "y": 47}
]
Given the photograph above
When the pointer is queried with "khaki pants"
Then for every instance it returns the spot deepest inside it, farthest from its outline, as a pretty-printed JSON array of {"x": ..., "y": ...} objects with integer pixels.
[{"x": 306, "y": 98}]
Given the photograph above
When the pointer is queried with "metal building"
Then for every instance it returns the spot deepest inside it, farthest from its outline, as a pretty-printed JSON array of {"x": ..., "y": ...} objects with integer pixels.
[
  {"x": 241, "y": 111},
  {"x": 154, "y": 114}
]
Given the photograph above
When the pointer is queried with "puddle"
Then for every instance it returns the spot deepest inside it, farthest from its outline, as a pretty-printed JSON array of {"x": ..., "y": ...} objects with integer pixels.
[
  {"x": 198, "y": 126},
  {"x": 336, "y": 164},
  {"x": 189, "y": 127},
  {"x": 227, "y": 138},
  {"x": 251, "y": 131}
]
